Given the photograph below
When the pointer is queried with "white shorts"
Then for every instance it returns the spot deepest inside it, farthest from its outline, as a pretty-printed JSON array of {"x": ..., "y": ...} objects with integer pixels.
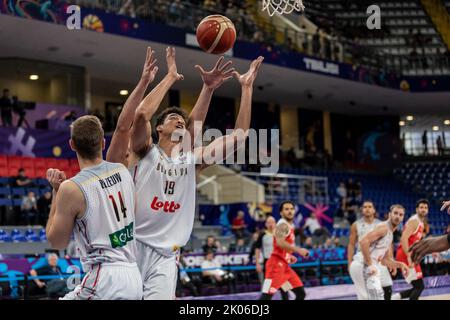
[
  {"x": 159, "y": 273},
  {"x": 109, "y": 281},
  {"x": 369, "y": 287}
]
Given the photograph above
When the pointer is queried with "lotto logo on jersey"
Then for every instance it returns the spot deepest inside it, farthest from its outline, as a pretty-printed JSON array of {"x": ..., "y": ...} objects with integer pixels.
[
  {"x": 120, "y": 238},
  {"x": 167, "y": 206}
]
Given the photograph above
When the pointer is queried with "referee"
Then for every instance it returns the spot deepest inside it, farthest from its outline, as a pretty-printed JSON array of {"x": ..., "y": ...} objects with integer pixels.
[{"x": 264, "y": 247}]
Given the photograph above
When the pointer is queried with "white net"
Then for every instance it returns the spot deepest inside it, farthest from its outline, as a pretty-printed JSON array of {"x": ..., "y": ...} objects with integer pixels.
[{"x": 282, "y": 6}]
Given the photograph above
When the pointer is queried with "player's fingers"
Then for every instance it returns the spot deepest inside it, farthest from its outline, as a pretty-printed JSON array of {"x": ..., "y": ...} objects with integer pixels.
[
  {"x": 148, "y": 54},
  {"x": 228, "y": 72},
  {"x": 219, "y": 61},
  {"x": 236, "y": 75},
  {"x": 49, "y": 173},
  {"x": 226, "y": 65},
  {"x": 445, "y": 205},
  {"x": 227, "y": 78},
  {"x": 173, "y": 51},
  {"x": 181, "y": 77},
  {"x": 200, "y": 69}
]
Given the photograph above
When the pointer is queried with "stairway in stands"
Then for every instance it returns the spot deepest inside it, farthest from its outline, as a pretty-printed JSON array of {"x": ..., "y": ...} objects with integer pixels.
[{"x": 440, "y": 17}]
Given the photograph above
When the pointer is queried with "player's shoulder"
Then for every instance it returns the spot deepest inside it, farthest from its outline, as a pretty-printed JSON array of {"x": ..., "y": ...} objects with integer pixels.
[{"x": 70, "y": 188}]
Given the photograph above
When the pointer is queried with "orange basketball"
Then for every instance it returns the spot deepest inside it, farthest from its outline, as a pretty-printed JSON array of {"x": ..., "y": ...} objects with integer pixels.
[{"x": 216, "y": 34}]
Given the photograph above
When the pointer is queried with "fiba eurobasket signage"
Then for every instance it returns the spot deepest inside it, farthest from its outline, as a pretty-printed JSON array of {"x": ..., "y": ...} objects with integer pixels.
[{"x": 321, "y": 66}]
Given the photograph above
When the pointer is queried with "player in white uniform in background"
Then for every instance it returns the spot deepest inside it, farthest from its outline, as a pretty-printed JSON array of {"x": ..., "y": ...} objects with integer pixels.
[
  {"x": 98, "y": 206},
  {"x": 358, "y": 230},
  {"x": 376, "y": 252},
  {"x": 165, "y": 175}
]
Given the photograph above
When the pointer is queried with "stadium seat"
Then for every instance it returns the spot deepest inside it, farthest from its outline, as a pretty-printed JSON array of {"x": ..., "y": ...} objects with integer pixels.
[
  {"x": 42, "y": 235},
  {"x": 4, "y": 236},
  {"x": 5, "y": 192},
  {"x": 18, "y": 192},
  {"x": 5, "y": 202},
  {"x": 17, "y": 236},
  {"x": 31, "y": 236},
  {"x": 4, "y": 172}
]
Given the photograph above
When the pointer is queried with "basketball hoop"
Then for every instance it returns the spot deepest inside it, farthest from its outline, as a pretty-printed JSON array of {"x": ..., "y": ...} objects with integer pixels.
[{"x": 282, "y": 6}]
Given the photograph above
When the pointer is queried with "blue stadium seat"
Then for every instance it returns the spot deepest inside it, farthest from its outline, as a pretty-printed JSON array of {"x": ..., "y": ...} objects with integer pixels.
[
  {"x": 16, "y": 202},
  {"x": 5, "y": 202},
  {"x": 4, "y": 236},
  {"x": 5, "y": 192},
  {"x": 31, "y": 236},
  {"x": 20, "y": 192},
  {"x": 17, "y": 236},
  {"x": 42, "y": 235},
  {"x": 4, "y": 181}
]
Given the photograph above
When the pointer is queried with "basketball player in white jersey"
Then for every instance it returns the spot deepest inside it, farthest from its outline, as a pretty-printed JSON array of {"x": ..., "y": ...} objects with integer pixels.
[
  {"x": 358, "y": 230},
  {"x": 376, "y": 251},
  {"x": 98, "y": 206},
  {"x": 165, "y": 180}
]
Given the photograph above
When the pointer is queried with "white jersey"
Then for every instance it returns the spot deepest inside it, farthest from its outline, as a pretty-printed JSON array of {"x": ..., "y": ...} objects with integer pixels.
[
  {"x": 363, "y": 228},
  {"x": 379, "y": 248},
  {"x": 165, "y": 207},
  {"x": 105, "y": 233}
]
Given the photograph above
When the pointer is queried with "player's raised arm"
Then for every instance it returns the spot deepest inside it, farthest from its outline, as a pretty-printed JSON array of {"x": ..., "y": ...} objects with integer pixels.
[
  {"x": 368, "y": 239},
  {"x": 446, "y": 205},
  {"x": 281, "y": 232},
  {"x": 118, "y": 148},
  {"x": 240, "y": 133},
  {"x": 410, "y": 227},
  {"x": 141, "y": 137},
  {"x": 351, "y": 243},
  {"x": 211, "y": 81},
  {"x": 68, "y": 201}
]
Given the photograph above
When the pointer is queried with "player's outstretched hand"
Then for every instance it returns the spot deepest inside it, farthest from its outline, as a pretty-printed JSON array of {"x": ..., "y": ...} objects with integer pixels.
[
  {"x": 172, "y": 65},
  {"x": 55, "y": 177},
  {"x": 292, "y": 259},
  {"x": 218, "y": 75},
  {"x": 247, "y": 79},
  {"x": 446, "y": 205},
  {"x": 150, "y": 69},
  {"x": 428, "y": 245}
]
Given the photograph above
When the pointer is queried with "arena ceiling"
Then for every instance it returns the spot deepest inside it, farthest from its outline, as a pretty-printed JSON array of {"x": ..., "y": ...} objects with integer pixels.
[{"x": 115, "y": 59}]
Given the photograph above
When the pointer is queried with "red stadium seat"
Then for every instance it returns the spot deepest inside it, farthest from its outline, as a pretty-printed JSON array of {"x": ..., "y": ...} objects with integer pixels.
[
  {"x": 14, "y": 161},
  {"x": 51, "y": 163},
  {"x": 63, "y": 164},
  {"x": 12, "y": 172},
  {"x": 3, "y": 172},
  {"x": 30, "y": 173},
  {"x": 40, "y": 163},
  {"x": 28, "y": 162},
  {"x": 41, "y": 172},
  {"x": 3, "y": 161}
]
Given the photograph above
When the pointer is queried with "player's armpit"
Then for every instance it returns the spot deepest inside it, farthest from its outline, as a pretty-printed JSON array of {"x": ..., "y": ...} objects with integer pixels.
[{"x": 70, "y": 203}]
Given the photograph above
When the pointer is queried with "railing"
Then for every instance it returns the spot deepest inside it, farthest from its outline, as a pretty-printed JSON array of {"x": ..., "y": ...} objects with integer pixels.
[
  {"x": 204, "y": 187},
  {"x": 297, "y": 188}
]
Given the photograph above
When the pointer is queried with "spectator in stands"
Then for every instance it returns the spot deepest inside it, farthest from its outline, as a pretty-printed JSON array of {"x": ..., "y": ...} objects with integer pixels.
[
  {"x": 316, "y": 47},
  {"x": 43, "y": 207},
  {"x": 425, "y": 142},
  {"x": 29, "y": 209},
  {"x": 238, "y": 225},
  {"x": 220, "y": 247},
  {"x": 22, "y": 180},
  {"x": 308, "y": 244},
  {"x": 6, "y": 108},
  {"x": 19, "y": 109},
  {"x": 440, "y": 146},
  {"x": 329, "y": 244},
  {"x": 184, "y": 279},
  {"x": 52, "y": 287},
  {"x": 210, "y": 245},
  {"x": 314, "y": 227},
  {"x": 341, "y": 191},
  {"x": 216, "y": 275},
  {"x": 176, "y": 12},
  {"x": 239, "y": 246}
]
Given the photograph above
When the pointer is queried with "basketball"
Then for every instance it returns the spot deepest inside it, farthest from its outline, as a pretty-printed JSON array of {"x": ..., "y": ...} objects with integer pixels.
[{"x": 216, "y": 34}]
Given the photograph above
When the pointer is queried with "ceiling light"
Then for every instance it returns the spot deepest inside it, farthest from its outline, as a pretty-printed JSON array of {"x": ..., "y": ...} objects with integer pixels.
[
  {"x": 123, "y": 92},
  {"x": 410, "y": 118},
  {"x": 34, "y": 77},
  {"x": 401, "y": 123}
]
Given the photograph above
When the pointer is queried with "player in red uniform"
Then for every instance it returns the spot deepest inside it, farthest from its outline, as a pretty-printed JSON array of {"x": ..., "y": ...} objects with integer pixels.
[
  {"x": 412, "y": 233},
  {"x": 278, "y": 273}
]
